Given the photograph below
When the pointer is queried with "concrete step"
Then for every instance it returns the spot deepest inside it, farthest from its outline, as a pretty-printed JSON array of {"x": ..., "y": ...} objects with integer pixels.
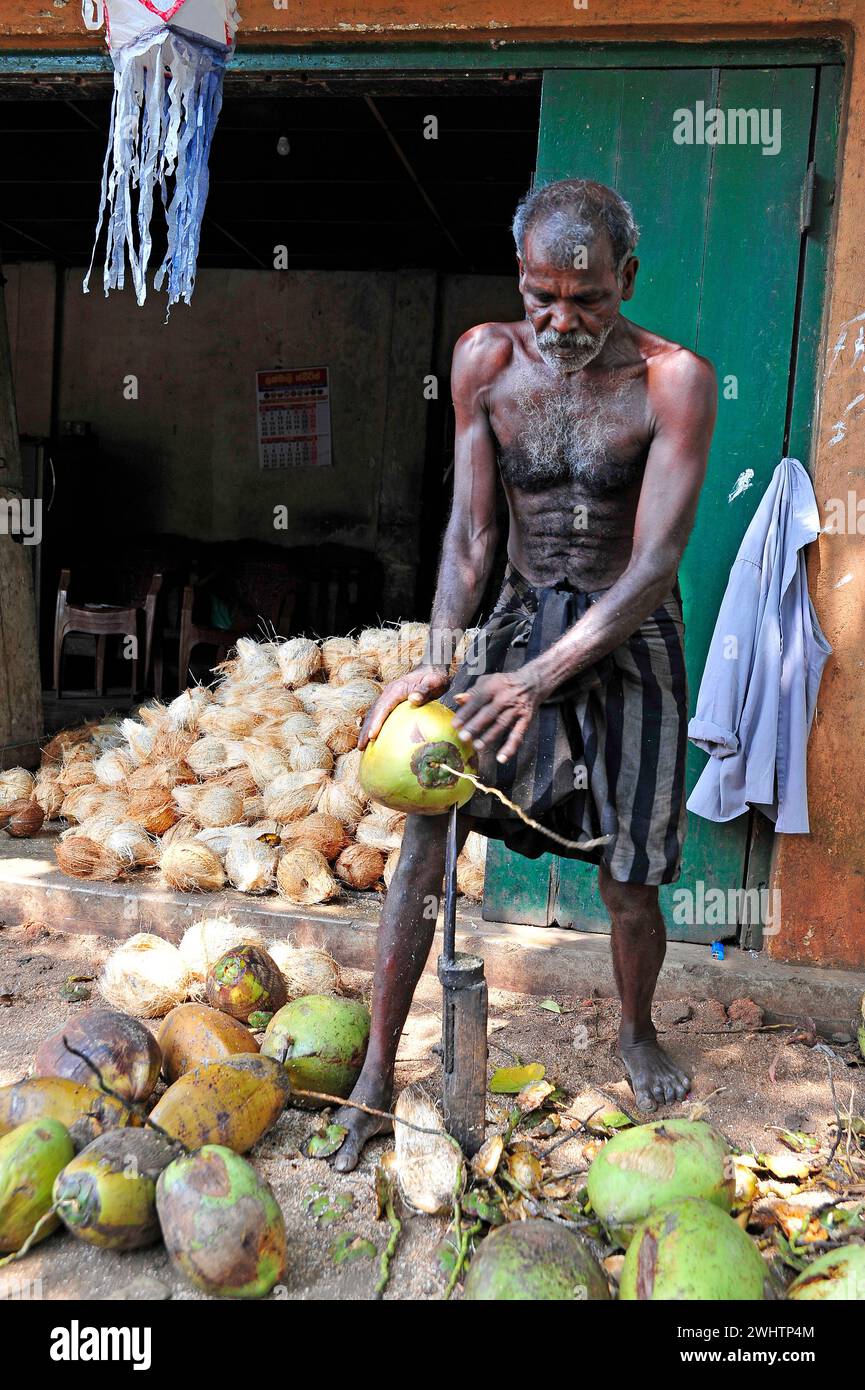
[{"x": 544, "y": 961}]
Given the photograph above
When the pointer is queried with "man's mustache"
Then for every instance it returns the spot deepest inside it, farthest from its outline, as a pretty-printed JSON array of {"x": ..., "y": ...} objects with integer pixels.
[{"x": 572, "y": 341}]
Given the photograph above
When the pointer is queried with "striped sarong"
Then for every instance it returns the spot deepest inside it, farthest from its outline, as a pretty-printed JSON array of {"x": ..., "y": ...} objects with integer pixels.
[{"x": 605, "y": 755}]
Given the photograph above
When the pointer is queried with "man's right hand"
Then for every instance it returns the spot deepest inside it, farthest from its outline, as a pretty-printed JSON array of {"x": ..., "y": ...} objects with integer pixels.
[{"x": 420, "y": 685}]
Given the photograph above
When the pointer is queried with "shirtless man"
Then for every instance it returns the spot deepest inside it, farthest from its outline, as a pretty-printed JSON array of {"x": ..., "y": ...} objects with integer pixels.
[{"x": 600, "y": 430}]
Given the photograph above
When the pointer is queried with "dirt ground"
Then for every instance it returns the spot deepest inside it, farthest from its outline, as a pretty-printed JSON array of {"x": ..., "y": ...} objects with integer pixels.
[{"x": 735, "y": 1085}]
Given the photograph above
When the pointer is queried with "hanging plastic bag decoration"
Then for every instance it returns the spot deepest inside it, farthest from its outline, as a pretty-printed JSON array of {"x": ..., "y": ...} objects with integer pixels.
[{"x": 168, "y": 69}]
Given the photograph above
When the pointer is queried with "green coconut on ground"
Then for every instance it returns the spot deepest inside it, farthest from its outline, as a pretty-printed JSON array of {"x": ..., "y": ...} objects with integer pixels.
[
  {"x": 690, "y": 1251},
  {"x": 535, "y": 1261},
  {"x": 642, "y": 1168}
]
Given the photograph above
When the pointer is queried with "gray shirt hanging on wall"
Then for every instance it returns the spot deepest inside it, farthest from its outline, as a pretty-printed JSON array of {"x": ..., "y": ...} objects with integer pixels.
[{"x": 759, "y": 688}]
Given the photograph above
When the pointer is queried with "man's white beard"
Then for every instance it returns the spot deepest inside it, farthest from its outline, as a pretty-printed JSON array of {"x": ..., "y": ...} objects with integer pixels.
[{"x": 581, "y": 348}]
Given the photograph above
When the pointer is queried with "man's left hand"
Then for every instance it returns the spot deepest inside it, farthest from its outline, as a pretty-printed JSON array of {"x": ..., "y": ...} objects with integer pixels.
[{"x": 496, "y": 712}]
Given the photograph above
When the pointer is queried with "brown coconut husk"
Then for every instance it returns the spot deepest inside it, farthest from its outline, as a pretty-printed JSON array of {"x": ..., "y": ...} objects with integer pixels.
[
  {"x": 376, "y": 644},
  {"x": 139, "y": 739},
  {"x": 252, "y": 661},
  {"x": 56, "y": 747},
  {"x": 337, "y": 799},
  {"x": 429, "y": 1167},
  {"x": 294, "y": 795},
  {"x": 303, "y": 876},
  {"x": 205, "y": 941},
  {"x": 374, "y": 833},
  {"x": 184, "y": 829},
  {"x": 306, "y": 756},
  {"x": 347, "y": 772},
  {"x": 360, "y": 866},
  {"x": 324, "y": 833},
  {"x": 315, "y": 696},
  {"x": 250, "y": 865},
  {"x": 240, "y": 778},
  {"x": 210, "y": 805},
  {"x": 111, "y": 769},
  {"x": 170, "y": 747},
  {"x": 86, "y": 802},
  {"x": 145, "y": 976},
  {"x": 153, "y": 809},
  {"x": 166, "y": 775},
  {"x": 133, "y": 845},
  {"x": 81, "y": 857},
  {"x": 305, "y": 969},
  {"x": 192, "y": 867},
  {"x": 390, "y": 865},
  {"x": 48, "y": 793},
  {"x": 338, "y": 731},
  {"x": 335, "y": 651},
  {"x": 185, "y": 712},
  {"x": 81, "y": 773},
  {"x": 265, "y": 762},
  {"x": 253, "y": 808},
  {"x": 353, "y": 699},
  {"x": 357, "y": 668},
  {"x": 272, "y": 702},
  {"x": 299, "y": 727},
  {"x": 299, "y": 659},
  {"x": 228, "y": 721},
  {"x": 209, "y": 755}
]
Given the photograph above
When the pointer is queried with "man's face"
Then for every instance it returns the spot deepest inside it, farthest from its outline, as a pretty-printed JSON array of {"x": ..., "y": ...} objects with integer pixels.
[{"x": 572, "y": 311}]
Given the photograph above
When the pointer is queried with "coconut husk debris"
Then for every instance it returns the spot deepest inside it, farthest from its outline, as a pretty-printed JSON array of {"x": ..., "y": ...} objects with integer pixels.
[{"x": 251, "y": 782}]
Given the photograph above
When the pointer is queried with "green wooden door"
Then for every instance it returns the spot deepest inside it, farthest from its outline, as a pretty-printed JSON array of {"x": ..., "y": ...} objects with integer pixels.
[{"x": 726, "y": 270}]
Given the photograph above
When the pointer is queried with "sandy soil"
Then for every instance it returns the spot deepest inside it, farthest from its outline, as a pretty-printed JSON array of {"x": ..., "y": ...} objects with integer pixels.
[{"x": 729, "y": 1062}]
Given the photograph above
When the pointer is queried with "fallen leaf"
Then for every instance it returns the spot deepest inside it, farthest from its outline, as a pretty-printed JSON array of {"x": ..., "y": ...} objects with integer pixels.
[
  {"x": 509, "y": 1081},
  {"x": 551, "y": 1006}
]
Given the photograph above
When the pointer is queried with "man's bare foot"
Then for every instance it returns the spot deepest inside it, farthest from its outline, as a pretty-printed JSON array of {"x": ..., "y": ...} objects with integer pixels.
[
  {"x": 655, "y": 1078},
  {"x": 361, "y": 1126}
]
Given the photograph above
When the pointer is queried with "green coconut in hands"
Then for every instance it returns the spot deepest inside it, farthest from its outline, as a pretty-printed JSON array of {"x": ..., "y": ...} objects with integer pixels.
[
  {"x": 641, "y": 1168},
  {"x": 534, "y": 1261},
  {"x": 690, "y": 1251},
  {"x": 403, "y": 766},
  {"x": 321, "y": 1040}
]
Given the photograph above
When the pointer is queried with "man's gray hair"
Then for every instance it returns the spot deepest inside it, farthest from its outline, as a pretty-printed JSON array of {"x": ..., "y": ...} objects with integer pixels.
[{"x": 573, "y": 212}]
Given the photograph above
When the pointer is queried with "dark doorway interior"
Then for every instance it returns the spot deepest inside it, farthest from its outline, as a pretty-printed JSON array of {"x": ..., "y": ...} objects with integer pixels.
[{"x": 360, "y": 173}]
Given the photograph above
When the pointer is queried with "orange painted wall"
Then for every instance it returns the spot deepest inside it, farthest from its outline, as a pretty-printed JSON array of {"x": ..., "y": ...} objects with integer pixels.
[{"x": 821, "y": 876}]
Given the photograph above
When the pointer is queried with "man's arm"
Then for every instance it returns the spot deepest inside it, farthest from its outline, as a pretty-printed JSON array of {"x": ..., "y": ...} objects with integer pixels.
[
  {"x": 683, "y": 396},
  {"x": 470, "y": 537}
]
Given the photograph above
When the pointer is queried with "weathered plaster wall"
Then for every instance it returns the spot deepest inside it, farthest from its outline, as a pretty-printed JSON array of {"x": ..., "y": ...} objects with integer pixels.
[{"x": 822, "y": 876}]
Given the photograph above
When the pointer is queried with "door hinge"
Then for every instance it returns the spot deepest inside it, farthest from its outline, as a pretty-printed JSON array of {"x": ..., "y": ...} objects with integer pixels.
[{"x": 806, "y": 202}]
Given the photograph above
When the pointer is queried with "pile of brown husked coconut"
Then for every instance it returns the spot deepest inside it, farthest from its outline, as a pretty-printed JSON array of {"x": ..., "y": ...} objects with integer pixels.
[{"x": 251, "y": 782}]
